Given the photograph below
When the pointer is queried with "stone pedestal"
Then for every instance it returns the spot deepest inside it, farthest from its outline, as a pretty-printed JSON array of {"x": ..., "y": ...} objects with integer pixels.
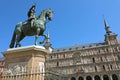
[{"x": 27, "y": 60}]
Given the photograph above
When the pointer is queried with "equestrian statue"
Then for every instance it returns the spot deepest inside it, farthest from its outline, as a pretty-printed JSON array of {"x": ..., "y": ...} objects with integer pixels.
[{"x": 33, "y": 26}]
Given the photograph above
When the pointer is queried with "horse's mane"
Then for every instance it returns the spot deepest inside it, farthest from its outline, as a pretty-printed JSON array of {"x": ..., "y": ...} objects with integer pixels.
[{"x": 41, "y": 13}]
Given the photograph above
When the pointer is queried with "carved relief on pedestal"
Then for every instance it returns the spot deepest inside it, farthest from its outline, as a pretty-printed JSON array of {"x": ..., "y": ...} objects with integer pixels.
[{"x": 16, "y": 68}]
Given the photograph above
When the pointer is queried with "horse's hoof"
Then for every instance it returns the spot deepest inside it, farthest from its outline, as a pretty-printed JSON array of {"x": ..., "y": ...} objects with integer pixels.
[{"x": 41, "y": 42}]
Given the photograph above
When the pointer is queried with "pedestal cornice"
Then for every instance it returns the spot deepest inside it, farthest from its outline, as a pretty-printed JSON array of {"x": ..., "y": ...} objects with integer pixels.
[{"x": 25, "y": 49}]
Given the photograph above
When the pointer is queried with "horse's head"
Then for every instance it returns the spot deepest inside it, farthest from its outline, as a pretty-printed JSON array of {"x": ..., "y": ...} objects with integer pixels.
[{"x": 49, "y": 14}]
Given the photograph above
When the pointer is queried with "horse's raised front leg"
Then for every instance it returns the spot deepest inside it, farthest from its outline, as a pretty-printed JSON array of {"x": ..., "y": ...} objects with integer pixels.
[
  {"x": 36, "y": 36},
  {"x": 45, "y": 37}
]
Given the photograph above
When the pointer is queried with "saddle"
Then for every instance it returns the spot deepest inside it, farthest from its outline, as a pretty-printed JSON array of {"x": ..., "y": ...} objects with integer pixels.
[{"x": 29, "y": 23}]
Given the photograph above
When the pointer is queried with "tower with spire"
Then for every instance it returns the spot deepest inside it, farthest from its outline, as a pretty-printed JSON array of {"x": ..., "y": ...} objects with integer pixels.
[
  {"x": 48, "y": 44},
  {"x": 110, "y": 37}
]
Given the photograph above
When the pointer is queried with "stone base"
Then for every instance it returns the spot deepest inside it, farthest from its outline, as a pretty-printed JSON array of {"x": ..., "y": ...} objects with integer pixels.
[{"x": 29, "y": 59}]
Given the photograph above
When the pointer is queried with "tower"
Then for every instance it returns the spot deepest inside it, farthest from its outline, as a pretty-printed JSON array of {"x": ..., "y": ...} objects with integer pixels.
[
  {"x": 48, "y": 44},
  {"x": 110, "y": 37}
]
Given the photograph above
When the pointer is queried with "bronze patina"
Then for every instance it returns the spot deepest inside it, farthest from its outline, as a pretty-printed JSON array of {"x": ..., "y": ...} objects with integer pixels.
[{"x": 37, "y": 28}]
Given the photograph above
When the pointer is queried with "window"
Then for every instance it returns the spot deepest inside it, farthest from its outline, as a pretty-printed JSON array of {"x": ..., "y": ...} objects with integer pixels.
[
  {"x": 51, "y": 57},
  {"x": 109, "y": 58},
  {"x": 63, "y": 55},
  {"x": 101, "y": 59},
  {"x": 95, "y": 68},
  {"x": 111, "y": 67},
  {"x": 115, "y": 49},
  {"x": 118, "y": 57},
  {"x": 91, "y": 52},
  {"x": 106, "y": 50},
  {"x": 93, "y": 60},
  {"x": 103, "y": 67},
  {"x": 57, "y": 63},
  {"x": 98, "y": 51}
]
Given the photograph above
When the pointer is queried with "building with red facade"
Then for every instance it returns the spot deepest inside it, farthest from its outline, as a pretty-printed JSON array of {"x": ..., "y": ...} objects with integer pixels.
[{"x": 93, "y": 61}]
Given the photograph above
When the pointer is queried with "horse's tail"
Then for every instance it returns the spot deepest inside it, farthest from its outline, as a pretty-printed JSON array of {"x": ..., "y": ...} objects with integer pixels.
[{"x": 13, "y": 40}]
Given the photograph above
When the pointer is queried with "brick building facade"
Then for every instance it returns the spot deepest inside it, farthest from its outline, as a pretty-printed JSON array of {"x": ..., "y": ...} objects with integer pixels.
[{"x": 95, "y": 61}]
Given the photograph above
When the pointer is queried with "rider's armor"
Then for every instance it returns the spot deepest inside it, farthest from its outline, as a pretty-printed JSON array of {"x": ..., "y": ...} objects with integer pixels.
[{"x": 31, "y": 15}]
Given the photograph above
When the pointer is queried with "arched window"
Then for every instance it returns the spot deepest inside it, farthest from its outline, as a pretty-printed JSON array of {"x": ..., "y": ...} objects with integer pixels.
[
  {"x": 73, "y": 78},
  {"x": 97, "y": 77},
  {"x": 80, "y": 78},
  {"x": 114, "y": 77},
  {"x": 88, "y": 78},
  {"x": 105, "y": 77}
]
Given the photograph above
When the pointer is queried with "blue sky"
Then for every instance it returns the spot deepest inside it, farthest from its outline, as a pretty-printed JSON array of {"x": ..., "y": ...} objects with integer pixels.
[{"x": 74, "y": 21}]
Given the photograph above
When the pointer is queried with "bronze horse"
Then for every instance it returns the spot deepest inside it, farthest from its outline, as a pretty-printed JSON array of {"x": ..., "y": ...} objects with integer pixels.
[{"x": 23, "y": 29}]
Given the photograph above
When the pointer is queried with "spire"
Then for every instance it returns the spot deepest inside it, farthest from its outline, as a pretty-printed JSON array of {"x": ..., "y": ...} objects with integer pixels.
[
  {"x": 107, "y": 28},
  {"x": 48, "y": 39},
  {"x": 47, "y": 43},
  {"x": 110, "y": 38}
]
